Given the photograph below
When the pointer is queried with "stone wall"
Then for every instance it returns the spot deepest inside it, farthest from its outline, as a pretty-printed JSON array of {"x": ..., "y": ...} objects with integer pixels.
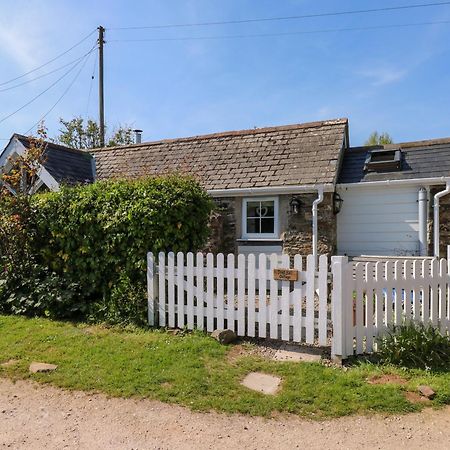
[
  {"x": 295, "y": 229},
  {"x": 222, "y": 224},
  {"x": 297, "y": 232}
]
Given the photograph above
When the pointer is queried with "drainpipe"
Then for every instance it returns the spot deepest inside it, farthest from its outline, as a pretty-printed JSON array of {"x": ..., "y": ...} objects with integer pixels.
[
  {"x": 436, "y": 217},
  {"x": 316, "y": 202},
  {"x": 423, "y": 219}
]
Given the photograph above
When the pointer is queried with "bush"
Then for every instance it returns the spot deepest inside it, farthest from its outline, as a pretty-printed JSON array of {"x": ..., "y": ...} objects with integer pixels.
[
  {"x": 93, "y": 240},
  {"x": 17, "y": 231},
  {"x": 416, "y": 346},
  {"x": 127, "y": 304},
  {"x": 40, "y": 293}
]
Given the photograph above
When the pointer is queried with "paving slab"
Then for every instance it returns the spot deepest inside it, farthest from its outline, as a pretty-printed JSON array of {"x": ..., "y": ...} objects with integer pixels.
[
  {"x": 290, "y": 352},
  {"x": 38, "y": 367},
  {"x": 262, "y": 382},
  {"x": 9, "y": 363}
]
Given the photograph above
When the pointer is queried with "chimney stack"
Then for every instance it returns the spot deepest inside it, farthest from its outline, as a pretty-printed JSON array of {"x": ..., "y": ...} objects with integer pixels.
[{"x": 137, "y": 136}]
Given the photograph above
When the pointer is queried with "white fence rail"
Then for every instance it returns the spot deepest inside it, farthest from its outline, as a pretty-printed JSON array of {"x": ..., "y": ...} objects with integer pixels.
[
  {"x": 241, "y": 293},
  {"x": 216, "y": 292},
  {"x": 369, "y": 298}
]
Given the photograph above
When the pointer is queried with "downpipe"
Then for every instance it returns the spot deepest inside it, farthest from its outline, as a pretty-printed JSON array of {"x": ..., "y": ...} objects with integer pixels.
[
  {"x": 423, "y": 220},
  {"x": 315, "y": 204},
  {"x": 436, "y": 233}
]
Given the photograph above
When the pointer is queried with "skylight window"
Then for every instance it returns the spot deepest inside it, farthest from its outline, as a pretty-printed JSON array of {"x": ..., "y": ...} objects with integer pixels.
[{"x": 383, "y": 160}]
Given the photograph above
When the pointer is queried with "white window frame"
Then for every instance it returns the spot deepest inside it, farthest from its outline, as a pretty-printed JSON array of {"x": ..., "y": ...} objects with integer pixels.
[{"x": 256, "y": 236}]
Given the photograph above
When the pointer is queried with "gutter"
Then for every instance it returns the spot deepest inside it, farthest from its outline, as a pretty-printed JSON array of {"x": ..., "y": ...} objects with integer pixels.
[
  {"x": 271, "y": 190},
  {"x": 316, "y": 202},
  {"x": 436, "y": 217},
  {"x": 409, "y": 182}
]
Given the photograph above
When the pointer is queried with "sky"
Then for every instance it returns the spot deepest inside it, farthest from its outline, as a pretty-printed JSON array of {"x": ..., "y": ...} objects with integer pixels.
[{"x": 394, "y": 80}]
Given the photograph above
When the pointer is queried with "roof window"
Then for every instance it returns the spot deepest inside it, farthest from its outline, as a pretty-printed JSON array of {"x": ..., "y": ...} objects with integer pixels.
[{"x": 383, "y": 160}]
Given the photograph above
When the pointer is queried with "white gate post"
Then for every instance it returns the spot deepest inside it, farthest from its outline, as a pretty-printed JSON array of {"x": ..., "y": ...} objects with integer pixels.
[
  {"x": 338, "y": 315},
  {"x": 152, "y": 289}
]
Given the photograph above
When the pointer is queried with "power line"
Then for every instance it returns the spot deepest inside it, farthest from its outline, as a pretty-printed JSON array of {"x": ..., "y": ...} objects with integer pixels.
[
  {"x": 44, "y": 74},
  {"x": 297, "y": 17},
  {"x": 63, "y": 94},
  {"x": 50, "y": 61},
  {"x": 90, "y": 88},
  {"x": 44, "y": 91},
  {"x": 288, "y": 33}
]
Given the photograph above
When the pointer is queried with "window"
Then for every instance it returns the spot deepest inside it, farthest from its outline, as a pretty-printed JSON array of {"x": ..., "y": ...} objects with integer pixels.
[
  {"x": 383, "y": 160},
  {"x": 260, "y": 217}
]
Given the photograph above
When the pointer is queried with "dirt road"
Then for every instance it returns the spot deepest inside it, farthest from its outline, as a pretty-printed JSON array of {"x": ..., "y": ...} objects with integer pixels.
[{"x": 43, "y": 417}]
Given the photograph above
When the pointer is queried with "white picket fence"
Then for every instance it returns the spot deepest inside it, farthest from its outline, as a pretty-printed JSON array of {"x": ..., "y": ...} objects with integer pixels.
[
  {"x": 217, "y": 292},
  {"x": 241, "y": 294},
  {"x": 368, "y": 298}
]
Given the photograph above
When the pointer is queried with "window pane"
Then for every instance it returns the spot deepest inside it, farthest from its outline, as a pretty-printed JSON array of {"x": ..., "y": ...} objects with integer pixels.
[
  {"x": 253, "y": 226},
  {"x": 253, "y": 209},
  {"x": 267, "y": 209},
  {"x": 267, "y": 225},
  {"x": 382, "y": 156}
]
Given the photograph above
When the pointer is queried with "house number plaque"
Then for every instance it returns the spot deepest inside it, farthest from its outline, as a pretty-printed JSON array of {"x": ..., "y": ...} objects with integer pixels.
[{"x": 285, "y": 274}]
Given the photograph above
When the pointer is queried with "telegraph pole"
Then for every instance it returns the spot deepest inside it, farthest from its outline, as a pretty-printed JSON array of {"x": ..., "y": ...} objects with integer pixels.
[{"x": 101, "y": 102}]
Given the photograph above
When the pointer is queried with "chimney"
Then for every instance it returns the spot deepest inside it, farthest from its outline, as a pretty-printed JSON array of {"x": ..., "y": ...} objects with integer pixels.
[{"x": 137, "y": 136}]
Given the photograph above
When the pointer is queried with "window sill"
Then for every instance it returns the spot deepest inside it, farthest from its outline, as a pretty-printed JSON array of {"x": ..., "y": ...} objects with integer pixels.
[{"x": 259, "y": 240}]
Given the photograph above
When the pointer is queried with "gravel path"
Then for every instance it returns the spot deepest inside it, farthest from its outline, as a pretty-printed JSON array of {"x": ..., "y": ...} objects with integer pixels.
[{"x": 37, "y": 417}]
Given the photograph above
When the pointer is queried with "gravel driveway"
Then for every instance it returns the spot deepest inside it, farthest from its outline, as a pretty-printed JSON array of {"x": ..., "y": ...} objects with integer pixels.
[{"x": 37, "y": 417}]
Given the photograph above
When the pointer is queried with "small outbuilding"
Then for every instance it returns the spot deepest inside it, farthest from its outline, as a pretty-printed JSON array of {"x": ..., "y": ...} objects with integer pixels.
[{"x": 60, "y": 164}]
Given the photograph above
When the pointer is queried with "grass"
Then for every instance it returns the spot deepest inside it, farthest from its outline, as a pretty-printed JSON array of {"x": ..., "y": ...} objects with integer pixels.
[{"x": 193, "y": 370}]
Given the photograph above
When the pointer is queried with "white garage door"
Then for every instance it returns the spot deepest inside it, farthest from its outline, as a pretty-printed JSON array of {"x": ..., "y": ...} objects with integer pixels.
[{"x": 378, "y": 221}]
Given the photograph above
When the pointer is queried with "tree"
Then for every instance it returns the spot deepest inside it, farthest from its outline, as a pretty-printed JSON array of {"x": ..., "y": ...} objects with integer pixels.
[
  {"x": 22, "y": 174},
  {"x": 76, "y": 133},
  {"x": 379, "y": 139},
  {"x": 18, "y": 180}
]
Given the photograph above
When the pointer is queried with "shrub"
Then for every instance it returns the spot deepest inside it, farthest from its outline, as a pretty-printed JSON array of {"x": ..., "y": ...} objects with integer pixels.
[
  {"x": 127, "y": 304},
  {"x": 40, "y": 293},
  {"x": 17, "y": 232},
  {"x": 416, "y": 346},
  {"x": 93, "y": 240}
]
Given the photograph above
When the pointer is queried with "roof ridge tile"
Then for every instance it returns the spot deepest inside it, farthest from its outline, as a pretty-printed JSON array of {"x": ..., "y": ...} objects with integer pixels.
[{"x": 230, "y": 134}]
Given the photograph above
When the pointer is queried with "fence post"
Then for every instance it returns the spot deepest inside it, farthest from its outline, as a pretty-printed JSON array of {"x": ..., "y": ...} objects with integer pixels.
[
  {"x": 338, "y": 315},
  {"x": 152, "y": 289}
]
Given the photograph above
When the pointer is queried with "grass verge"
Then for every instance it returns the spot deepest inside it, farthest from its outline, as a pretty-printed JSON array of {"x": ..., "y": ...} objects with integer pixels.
[{"x": 193, "y": 370}]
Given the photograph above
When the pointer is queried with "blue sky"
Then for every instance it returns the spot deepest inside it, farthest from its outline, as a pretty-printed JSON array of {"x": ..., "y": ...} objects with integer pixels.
[{"x": 395, "y": 80}]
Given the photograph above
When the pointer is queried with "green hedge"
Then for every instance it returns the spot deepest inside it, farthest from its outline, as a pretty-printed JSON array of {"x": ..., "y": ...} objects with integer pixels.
[{"x": 95, "y": 237}]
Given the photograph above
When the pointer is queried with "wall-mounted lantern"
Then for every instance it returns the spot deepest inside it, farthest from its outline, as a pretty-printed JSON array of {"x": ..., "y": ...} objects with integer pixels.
[
  {"x": 337, "y": 202},
  {"x": 295, "y": 205}
]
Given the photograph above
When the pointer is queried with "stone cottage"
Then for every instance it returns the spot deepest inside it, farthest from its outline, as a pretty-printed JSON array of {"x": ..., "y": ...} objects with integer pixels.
[
  {"x": 271, "y": 185},
  {"x": 293, "y": 189}
]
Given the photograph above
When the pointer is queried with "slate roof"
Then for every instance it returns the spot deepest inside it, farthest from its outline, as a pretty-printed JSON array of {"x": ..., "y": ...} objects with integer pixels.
[
  {"x": 421, "y": 159},
  {"x": 65, "y": 164},
  {"x": 300, "y": 154}
]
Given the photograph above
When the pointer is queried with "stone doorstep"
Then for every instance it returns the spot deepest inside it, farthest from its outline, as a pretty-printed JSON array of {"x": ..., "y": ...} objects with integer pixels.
[
  {"x": 262, "y": 382},
  {"x": 295, "y": 353}
]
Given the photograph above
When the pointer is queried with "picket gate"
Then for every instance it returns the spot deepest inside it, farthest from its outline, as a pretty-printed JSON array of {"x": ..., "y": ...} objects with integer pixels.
[{"x": 240, "y": 293}]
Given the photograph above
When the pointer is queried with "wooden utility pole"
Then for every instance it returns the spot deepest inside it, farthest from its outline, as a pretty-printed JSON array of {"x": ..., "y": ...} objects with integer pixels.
[{"x": 101, "y": 102}]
